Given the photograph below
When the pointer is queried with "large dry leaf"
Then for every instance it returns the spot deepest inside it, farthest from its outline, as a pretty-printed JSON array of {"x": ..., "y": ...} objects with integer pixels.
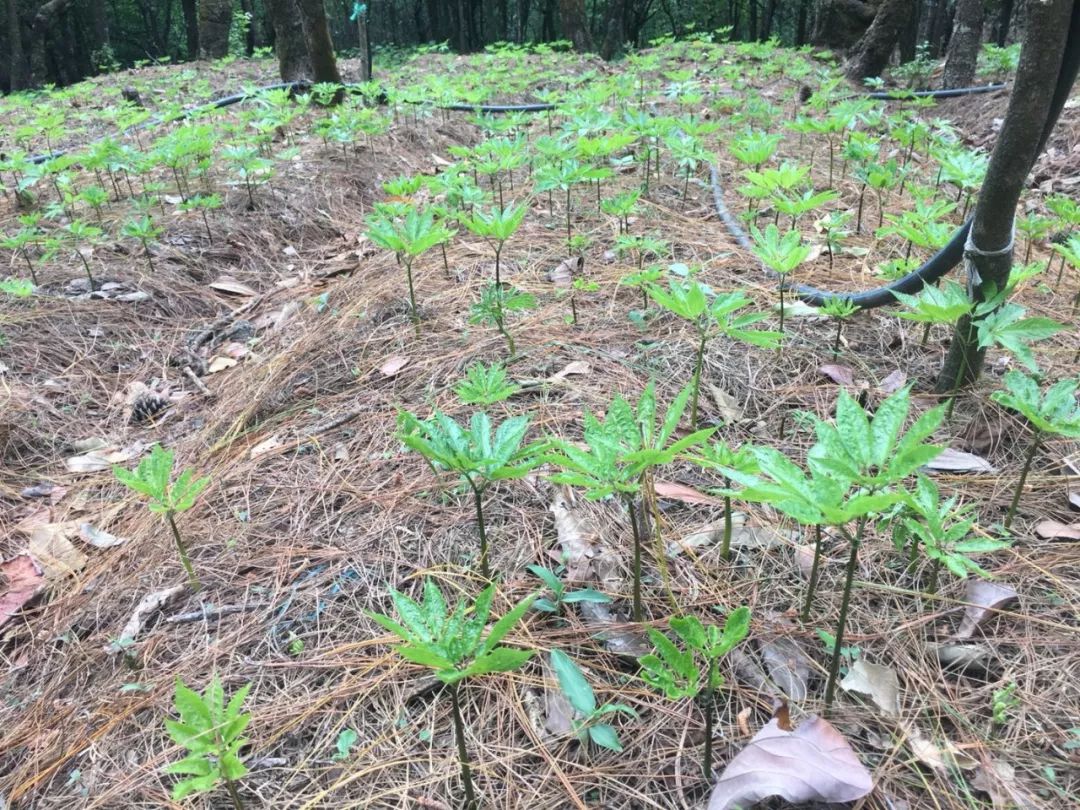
[
  {"x": 573, "y": 367},
  {"x": 997, "y": 779},
  {"x": 579, "y": 541},
  {"x": 983, "y": 599},
  {"x": 49, "y": 545},
  {"x": 103, "y": 458},
  {"x": 788, "y": 666},
  {"x": 841, "y": 375},
  {"x": 220, "y": 363},
  {"x": 944, "y": 757},
  {"x": 227, "y": 284},
  {"x": 22, "y": 580},
  {"x": 1054, "y": 530},
  {"x": 681, "y": 492},
  {"x": 726, "y": 405},
  {"x": 812, "y": 763},
  {"x": 950, "y": 460},
  {"x": 149, "y": 604},
  {"x": 879, "y": 683},
  {"x": 392, "y": 365},
  {"x": 265, "y": 446},
  {"x": 893, "y": 383}
]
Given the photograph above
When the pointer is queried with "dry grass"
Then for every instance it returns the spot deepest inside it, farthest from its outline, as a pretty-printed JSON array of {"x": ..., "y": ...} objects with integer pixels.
[{"x": 306, "y": 537}]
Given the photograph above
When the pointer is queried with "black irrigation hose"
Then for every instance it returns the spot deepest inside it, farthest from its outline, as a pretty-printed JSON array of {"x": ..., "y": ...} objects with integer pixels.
[{"x": 953, "y": 92}]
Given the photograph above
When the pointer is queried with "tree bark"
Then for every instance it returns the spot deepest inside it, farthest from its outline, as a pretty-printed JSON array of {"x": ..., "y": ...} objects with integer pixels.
[
  {"x": 575, "y": 26},
  {"x": 877, "y": 44},
  {"x": 964, "y": 45},
  {"x": 17, "y": 61},
  {"x": 215, "y": 20},
  {"x": 1018, "y": 144},
  {"x": 839, "y": 24},
  {"x": 293, "y": 62},
  {"x": 191, "y": 27},
  {"x": 613, "y": 29},
  {"x": 320, "y": 46},
  {"x": 1001, "y": 35}
]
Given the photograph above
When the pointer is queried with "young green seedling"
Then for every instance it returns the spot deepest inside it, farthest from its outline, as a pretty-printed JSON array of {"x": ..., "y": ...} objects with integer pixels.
[
  {"x": 143, "y": 229},
  {"x": 478, "y": 455},
  {"x": 495, "y": 228},
  {"x": 944, "y": 304},
  {"x": 559, "y": 595},
  {"x": 855, "y": 468},
  {"x": 839, "y": 309},
  {"x": 153, "y": 478},
  {"x": 579, "y": 694},
  {"x": 622, "y": 451},
  {"x": 452, "y": 644},
  {"x": 210, "y": 730},
  {"x": 409, "y": 237},
  {"x": 82, "y": 238},
  {"x": 494, "y": 304},
  {"x": 712, "y": 315},
  {"x": 1053, "y": 413},
  {"x": 944, "y": 531},
  {"x": 781, "y": 254},
  {"x": 485, "y": 385},
  {"x": 202, "y": 203},
  {"x": 722, "y": 456},
  {"x": 1006, "y": 326},
  {"x": 694, "y": 672}
]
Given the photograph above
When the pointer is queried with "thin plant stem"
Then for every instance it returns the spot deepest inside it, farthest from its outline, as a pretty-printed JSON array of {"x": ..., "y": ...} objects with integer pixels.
[
  {"x": 234, "y": 795},
  {"x": 1032, "y": 449},
  {"x": 697, "y": 379},
  {"x": 634, "y": 525},
  {"x": 478, "y": 496},
  {"x": 811, "y": 586},
  {"x": 709, "y": 709},
  {"x": 853, "y": 558},
  {"x": 836, "y": 341},
  {"x": 463, "y": 754},
  {"x": 181, "y": 549},
  {"x": 725, "y": 545}
]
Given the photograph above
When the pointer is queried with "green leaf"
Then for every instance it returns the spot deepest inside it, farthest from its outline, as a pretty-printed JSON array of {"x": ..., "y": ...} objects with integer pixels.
[
  {"x": 506, "y": 623},
  {"x": 605, "y": 736},
  {"x": 501, "y": 659},
  {"x": 191, "y": 765},
  {"x": 573, "y": 684}
]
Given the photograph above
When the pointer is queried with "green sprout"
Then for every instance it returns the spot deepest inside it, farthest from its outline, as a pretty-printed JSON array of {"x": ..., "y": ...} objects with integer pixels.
[
  {"x": 494, "y": 304},
  {"x": 496, "y": 228},
  {"x": 839, "y": 309},
  {"x": 408, "y": 238},
  {"x": 485, "y": 385},
  {"x": 153, "y": 478},
  {"x": 781, "y": 254},
  {"x": 1054, "y": 413},
  {"x": 452, "y": 643},
  {"x": 143, "y": 229},
  {"x": 476, "y": 453},
  {"x": 210, "y": 730},
  {"x": 559, "y": 595},
  {"x": 694, "y": 672},
  {"x": 579, "y": 694}
]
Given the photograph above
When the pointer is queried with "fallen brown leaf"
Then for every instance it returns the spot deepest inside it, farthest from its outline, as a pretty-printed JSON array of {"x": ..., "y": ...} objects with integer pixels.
[
  {"x": 681, "y": 492},
  {"x": 812, "y": 763},
  {"x": 1054, "y": 530},
  {"x": 788, "y": 666},
  {"x": 941, "y": 757},
  {"x": 841, "y": 375},
  {"x": 877, "y": 682},
  {"x": 99, "y": 538},
  {"x": 950, "y": 460},
  {"x": 893, "y": 383},
  {"x": 22, "y": 580},
  {"x": 227, "y": 284},
  {"x": 573, "y": 367},
  {"x": 392, "y": 365},
  {"x": 983, "y": 598},
  {"x": 220, "y": 363},
  {"x": 57, "y": 556},
  {"x": 149, "y": 604}
]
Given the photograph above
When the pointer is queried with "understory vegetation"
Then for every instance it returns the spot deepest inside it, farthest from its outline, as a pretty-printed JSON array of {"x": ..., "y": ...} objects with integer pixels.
[{"x": 363, "y": 453}]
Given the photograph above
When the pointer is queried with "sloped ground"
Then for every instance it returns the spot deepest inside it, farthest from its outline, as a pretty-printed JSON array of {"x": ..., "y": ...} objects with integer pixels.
[{"x": 315, "y": 509}]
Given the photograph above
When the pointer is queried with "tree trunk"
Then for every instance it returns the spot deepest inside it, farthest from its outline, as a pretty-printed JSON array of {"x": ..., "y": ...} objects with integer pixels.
[
  {"x": 937, "y": 23},
  {"x": 1022, "y": 135},
  {"x": 613, "y": 29},
  {"x": 839, "y": 24},
  {"x": 964, "y": 45},
  {"x": 874, "y": 49},
  {"x": 191, "y": 27},
  {"x": 320, "y": 46},
  {"x": 523, "y": 21},
  {"x": 17, "y": 62},
  {"x": 575, "y": 26},
  {"x": 1001, "y": 35},
  {"x": 215, "y": 19},
  {"x": 293, "y": 62},
  {"x": 364, "y": 46}
]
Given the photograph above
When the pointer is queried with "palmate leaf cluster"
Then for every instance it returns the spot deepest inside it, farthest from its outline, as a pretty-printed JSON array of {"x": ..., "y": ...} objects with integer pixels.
[
  {"x": 1055, "y": 412},
  {"x": 152, "y": 478},
  {"x": 688, "y": 672},
  {"x": 476, "y": 452},
  {"x": 852, "y": 467},
  {"x": 714, "y": 313},
  {"x": 411, "y": 235},
  {"x": 944, "y": 529},
  {"x": 452, "y": 642},
  {"x": 210, "y": 730},
  {"x": 623, "y": 446},
  {"x": 485, "y": 385}
]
